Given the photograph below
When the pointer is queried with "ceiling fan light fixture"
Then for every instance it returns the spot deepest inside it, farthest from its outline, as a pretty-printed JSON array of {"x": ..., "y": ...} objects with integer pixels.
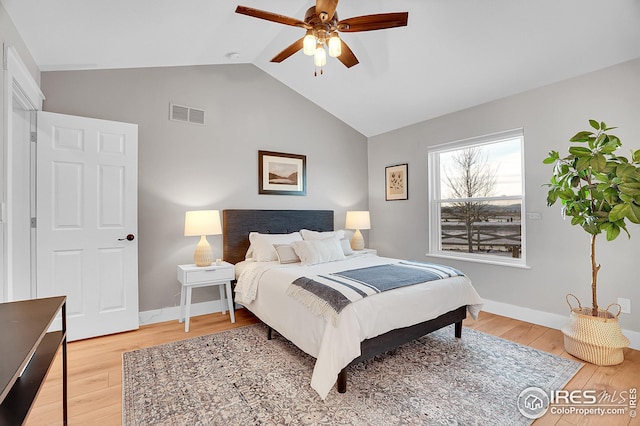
[
  {"x": 335, "y": 45},
  {"x": 320, "y": 57},
  {"x": 309, "y": 44},
  {"x": 322, "y": 25}
]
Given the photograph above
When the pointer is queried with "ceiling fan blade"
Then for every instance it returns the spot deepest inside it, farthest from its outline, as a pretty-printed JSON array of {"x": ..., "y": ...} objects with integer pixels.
[
  {"x": 269, "y": 16},
  {"x": 373, "y": 22},
  {"x": 347, "y": 57},
  {"x": 326, "y": 6},
  {"x": 297, "y": 45}
]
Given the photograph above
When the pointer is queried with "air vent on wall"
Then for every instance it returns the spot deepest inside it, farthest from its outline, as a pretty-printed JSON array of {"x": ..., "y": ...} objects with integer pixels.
[{"x": 186, "y": 114}]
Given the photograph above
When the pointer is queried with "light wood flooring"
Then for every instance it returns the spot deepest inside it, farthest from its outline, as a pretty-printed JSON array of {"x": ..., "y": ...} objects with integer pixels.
[{"x": 95, "y": 369}]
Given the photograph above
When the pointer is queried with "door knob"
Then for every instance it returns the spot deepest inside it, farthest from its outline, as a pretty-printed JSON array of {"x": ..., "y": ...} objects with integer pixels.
[{"x": 129, "y": 237}]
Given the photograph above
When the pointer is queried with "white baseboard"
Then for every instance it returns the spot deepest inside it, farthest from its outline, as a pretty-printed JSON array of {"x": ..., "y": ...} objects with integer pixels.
[
  {"x": 546, "y": 319},
  {"x": 172, "y": 313}
]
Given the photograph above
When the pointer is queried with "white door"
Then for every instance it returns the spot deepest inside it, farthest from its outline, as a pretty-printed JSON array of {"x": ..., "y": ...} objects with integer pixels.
[{"x": 87, "y": 247}]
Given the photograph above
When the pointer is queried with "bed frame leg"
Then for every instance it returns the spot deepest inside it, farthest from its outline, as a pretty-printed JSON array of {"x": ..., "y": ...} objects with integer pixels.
[
  {"x": 269, "y": 330},
  {"x": 342, "y": 380},
  {"x": 458, "y": 329}
]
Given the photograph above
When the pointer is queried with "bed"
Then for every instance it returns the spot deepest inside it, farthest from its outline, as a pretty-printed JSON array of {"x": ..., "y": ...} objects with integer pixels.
[{"x": 366, "y": 328}]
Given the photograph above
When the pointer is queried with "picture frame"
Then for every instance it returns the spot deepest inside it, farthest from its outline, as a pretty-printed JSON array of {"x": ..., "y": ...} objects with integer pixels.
[
  {"x": 397, "y": 182},
  {"x": 282, "y": 174}
]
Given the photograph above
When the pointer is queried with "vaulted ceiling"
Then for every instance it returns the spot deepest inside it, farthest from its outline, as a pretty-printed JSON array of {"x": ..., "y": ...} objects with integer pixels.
[{"x": 453, "y": 54}]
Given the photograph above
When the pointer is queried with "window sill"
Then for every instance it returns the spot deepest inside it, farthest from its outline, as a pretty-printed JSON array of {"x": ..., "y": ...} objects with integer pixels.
[{"x": 496, "y": 262}]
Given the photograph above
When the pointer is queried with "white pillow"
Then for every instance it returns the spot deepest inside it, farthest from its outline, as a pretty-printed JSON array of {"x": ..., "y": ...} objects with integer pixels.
[
  {"x": 312, "y": 252},
  {"x": 262, "y": 244},
  {"x": 249, "y": 255},
  {"x": 315, "y": 235},
  {"x": 341, "y": 234},
  {"x": 286, "y": 253},
  {"x": 346, "y": 247}
]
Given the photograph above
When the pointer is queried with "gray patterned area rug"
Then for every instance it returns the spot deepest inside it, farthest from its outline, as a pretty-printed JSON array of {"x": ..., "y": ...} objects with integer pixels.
[{"x": 238, "y": 377}]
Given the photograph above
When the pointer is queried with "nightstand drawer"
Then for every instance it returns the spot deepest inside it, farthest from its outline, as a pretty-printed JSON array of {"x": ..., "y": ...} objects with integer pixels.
[{"x": 217, "y": 274}]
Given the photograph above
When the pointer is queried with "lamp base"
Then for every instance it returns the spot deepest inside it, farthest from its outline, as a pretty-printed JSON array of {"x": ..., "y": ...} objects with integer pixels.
[
  {"x": 203, "y": 256},
  {"x": 357, "y": 242}
]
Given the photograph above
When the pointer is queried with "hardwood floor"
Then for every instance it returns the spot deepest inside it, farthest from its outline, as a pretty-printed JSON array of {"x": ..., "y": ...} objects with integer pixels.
[
  {"x": 612, "y": 379},
  {"x": 95, "y": 369}
]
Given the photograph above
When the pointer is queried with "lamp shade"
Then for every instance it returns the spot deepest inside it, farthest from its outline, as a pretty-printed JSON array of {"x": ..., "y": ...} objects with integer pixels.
[
  {"x": 202, "y": 222},
  {"x": 358, "y": 220}
]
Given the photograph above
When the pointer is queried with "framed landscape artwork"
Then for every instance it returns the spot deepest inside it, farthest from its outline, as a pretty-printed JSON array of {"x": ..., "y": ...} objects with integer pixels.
[
  {"x": 282, "y": 174},
  {"x": 397, "y": 182}
]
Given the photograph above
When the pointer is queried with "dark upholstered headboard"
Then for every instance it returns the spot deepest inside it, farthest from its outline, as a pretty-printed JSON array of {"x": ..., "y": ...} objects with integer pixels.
[{"x": 236, "y": 225}]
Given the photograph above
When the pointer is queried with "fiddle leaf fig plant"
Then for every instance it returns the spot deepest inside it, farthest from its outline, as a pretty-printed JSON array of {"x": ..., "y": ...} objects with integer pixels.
[{"x": 599, "y": 190}]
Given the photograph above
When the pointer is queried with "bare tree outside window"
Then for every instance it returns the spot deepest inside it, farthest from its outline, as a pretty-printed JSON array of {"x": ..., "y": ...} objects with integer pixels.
[{"x": 470, "y": 176}]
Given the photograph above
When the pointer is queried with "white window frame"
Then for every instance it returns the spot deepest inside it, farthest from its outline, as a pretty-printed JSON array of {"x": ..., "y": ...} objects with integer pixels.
[{"x": 435, "y": 200}]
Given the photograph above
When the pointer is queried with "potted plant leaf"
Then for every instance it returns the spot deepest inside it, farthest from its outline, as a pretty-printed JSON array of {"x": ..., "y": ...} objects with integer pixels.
[{"x": 599, "y": 191}]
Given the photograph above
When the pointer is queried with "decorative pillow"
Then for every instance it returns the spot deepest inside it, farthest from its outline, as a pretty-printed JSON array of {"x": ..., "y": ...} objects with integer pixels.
[
  {"x": 249, "y": 255},
  {"x": 312, "y": 252},
  {"x": 286, "y": 253},
  {"x": 346, "y": 247},
  {"x": 262, "y": 244},
  {"x": 315, "y": 235}
]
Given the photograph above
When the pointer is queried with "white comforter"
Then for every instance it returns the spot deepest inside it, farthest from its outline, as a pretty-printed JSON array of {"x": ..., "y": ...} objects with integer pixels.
[{"x": 262, "y": 289}]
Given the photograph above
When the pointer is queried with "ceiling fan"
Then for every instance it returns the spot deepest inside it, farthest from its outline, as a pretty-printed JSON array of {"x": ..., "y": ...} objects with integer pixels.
[{"x": 322, "y": 25}]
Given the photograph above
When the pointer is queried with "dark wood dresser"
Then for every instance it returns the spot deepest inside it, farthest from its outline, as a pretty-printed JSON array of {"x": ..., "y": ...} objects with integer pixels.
[{"x": 26, "y": 354}]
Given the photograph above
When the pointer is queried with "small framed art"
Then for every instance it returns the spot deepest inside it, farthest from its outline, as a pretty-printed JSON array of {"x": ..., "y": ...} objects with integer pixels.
[
  {"x": 282, "y": 174},
  {"x": 397, "y": 182}
]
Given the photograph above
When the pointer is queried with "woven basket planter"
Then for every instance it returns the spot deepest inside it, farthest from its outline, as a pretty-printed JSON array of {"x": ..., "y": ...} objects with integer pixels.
[{"x": 595, "y": 339}]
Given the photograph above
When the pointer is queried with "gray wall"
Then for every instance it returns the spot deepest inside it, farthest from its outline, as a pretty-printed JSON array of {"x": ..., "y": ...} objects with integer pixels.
[
  {"x": 184, "y": 166},
  {"x": 557, "y": 253}
]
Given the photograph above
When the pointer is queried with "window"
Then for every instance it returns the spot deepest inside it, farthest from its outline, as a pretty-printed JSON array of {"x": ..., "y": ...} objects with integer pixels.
[{"x": 476, "y": 201}]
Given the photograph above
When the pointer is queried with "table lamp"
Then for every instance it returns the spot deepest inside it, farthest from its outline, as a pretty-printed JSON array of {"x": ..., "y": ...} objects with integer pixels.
[
  {"x": 357, "y": 220},
  {"x": 202, "y": 223}
]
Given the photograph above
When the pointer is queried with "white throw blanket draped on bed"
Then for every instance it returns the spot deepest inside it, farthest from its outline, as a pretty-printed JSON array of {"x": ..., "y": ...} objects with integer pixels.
[
  {"x": 247, "y": 286},
  {"x": 262, "y": 288}
]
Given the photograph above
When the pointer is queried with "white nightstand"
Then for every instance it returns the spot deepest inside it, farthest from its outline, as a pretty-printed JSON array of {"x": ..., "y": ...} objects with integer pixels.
[
  {"x": 365, "y": 252},
  {"x": 192, "y": 276}
]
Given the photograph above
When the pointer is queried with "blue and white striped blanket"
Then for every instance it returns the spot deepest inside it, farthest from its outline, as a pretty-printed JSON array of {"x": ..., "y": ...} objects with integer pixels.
[{"x": 327, "y": 295}]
